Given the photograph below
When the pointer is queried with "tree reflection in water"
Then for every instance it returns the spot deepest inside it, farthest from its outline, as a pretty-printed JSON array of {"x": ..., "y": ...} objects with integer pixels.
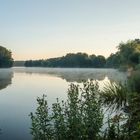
[
  {"x": 77, "y": 74},
  {"x": 6, "y": 76}
]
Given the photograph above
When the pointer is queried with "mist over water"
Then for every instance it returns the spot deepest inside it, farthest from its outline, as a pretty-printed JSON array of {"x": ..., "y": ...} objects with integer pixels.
[{"x": 19, "y": 88}]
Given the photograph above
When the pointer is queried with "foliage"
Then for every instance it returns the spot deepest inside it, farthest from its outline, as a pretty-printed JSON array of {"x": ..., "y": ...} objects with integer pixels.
[
  {"x": 114, "y": 95},
  {"x": 134, "y": 115},
  {"x": 128, "y": 55},
  {"x": 129, "y": 52},
  {"x": 70, "y": 60},
  {"x": 5, "y": 58},
  {"x": 115, "y": 130},
  {"x": 19, "y": 63},
  {"x": 113, "y": 61},
  {"x": 126, "y": 101},
  {"x": 79, "y": 118},
  {"x": 134, "y": 81},
  {"x": 137, "y": 67},
  {"x": 41, "y": 121}
]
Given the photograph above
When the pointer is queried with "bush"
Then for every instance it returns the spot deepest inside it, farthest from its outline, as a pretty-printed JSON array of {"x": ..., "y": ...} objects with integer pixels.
[
  {"x": 79, "y": 118},
  {"x": 134, "y": 81},
  {"x": 137, "y": 67}
]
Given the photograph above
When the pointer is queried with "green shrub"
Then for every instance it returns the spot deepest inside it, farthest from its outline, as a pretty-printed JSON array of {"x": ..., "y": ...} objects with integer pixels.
[
  {"x": 115, "y": 130},
  {"x": 79, "y": 118},
  {"x": 134, "y": 81},
  {"x": 137, "y": 67},
  {"x": 41, "y": 121}
]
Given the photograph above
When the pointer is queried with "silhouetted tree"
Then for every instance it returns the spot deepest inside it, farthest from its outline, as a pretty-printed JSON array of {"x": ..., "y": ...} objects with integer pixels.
[
  {"x": 6, "y": 59},
  {"x": 129, "y": 52},
  {"x": 113, "y": 61},
  {"x": 79, "y": 60}
]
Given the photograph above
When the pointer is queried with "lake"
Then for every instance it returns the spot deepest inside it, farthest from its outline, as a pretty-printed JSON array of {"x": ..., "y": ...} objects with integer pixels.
[{"x": 20, "y": 86}]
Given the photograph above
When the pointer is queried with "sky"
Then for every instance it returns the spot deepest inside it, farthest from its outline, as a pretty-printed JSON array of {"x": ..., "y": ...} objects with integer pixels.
[{"x": 41, "y": 29}]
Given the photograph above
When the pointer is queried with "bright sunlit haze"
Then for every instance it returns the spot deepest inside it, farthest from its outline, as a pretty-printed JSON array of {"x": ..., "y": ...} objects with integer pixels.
[{"x": 40, "y": 29}]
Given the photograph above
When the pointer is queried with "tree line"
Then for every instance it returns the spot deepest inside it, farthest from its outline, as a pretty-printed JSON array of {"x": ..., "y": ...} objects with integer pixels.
[
  {"x": 128, "y": 54},
  {"x": 70, "y": 60}
]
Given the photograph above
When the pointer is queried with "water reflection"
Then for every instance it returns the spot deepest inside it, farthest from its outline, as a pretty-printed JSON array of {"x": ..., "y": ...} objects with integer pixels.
[
  {"x": 76, "y": 74},
  {"x": 28, "y": 83},
  {"x": 6, "y": 76}
]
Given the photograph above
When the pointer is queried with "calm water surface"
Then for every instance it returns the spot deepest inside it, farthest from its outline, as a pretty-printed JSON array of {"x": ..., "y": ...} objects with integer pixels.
[{"x": 19, "y": 88}]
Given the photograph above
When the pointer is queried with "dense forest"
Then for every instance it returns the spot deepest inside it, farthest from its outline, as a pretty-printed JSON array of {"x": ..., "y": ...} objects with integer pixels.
[
  {"x": 6, "y": 59},
  {"x": 128, "y": 54}
]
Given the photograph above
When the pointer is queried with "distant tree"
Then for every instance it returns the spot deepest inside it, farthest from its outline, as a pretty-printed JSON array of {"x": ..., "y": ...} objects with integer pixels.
[
  {"x": 129, "y": 52},
  {"x": 113, "y": 61},
  {"x": 6, "y": 59},
  {"x": 79, "y": 60},
  {"x": 92, "y": 60},
  {"x": 101, "y": 61},
  {"x": 19, "y": 63},
  {"x": 28, "y": 63},
  {"x": 98, "y": 61}
]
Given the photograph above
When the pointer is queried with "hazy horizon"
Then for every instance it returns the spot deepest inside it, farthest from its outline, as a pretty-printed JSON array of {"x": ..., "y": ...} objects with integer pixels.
[{"x": 43, "y": 29}]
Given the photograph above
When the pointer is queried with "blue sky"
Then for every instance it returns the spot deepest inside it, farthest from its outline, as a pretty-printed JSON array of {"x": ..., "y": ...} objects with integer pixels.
[{"x": 34, "y": 29}]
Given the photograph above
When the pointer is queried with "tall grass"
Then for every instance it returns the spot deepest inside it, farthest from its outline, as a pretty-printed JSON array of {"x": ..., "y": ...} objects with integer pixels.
[{"x": 114, "y": 95}]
